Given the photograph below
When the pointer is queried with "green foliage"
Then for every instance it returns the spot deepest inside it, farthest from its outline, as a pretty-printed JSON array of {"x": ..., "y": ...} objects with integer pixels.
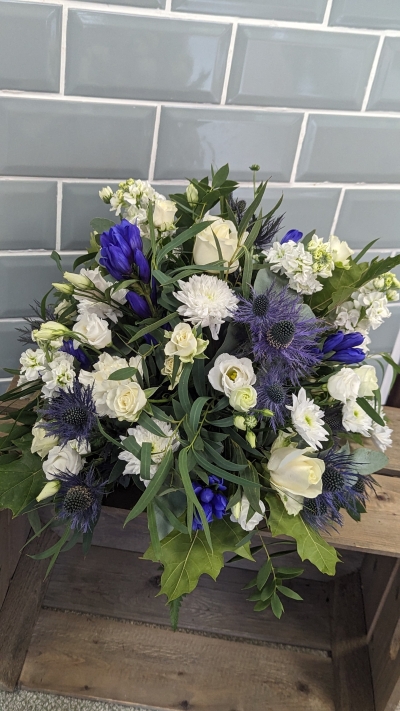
[
  {"x": 21, "y": 481},
  {"x": 101, "y": 224},
  {"x": 369, "y": 461}
]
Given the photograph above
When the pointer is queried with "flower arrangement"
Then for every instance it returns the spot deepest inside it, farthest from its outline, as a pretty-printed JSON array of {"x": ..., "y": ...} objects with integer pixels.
[{"x": 218, "y": 370}]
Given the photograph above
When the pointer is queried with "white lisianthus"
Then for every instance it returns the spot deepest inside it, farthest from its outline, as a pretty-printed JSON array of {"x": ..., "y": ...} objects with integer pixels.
[
  {"x": 59, "y": 375},
  {"x": 164, "y": 214},
  {"x": 344, "y": 385},
  {"x": 48, "y": 490},
  {"x": 33, "y": 365},
  {"x": 94, "y": 330},
  {"x": 192, "y": 194},
  {"x": 49, "y": 331},
  {"x": 207, "y": 301},
  {"x": 82, "y": 448},
  {"x": 126, "y": 401},
  {"x": 168, "y": 370},
  {"x": 80, "y": 281},
  {"x": 243, "y": 399},
  {"x": 240, "y": 512},
  {"x": 308, "y": 420},
  {"x": 63, "y": 288},
  {"x": 98, "y": 378},
  {"x": 340, "y": 251},
  {"x": 354, "y": 419},
  {"x": 42, "y": 443},
  {"x": 230, "y": 373},
  {"x": 205, "y": 249},
  {"x": 368, "y": 380},
  {"x": 159, "y": 445},
  {"x": 184, "y": 344},
  {"x": 62, "y": 306},
  {"x": 63, "y": 460},
  {"x": 295, "y": 476}
]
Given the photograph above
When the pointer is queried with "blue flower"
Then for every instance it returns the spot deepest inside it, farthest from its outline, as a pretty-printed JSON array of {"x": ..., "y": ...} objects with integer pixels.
[
  {"x": 292, "y": 236},
  {"x": 213, "y": 502},
  {"x": 71, "y": 414},
  {"x": 344, "y": 347},
  {"x": 273, "y": 394},
  {"x": 79, "y": 499},
  {"x": 78, "y": 353},
  {"x": 122, "y": 252},
  {"x": 138, "y": 304}
]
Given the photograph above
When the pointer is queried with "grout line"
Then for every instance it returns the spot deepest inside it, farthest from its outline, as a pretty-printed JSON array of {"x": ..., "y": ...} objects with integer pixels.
[
  {"x": 12, "y": 320},
  {"x": 39, "y": 252},
  {"x": 372, "y": 73},
  {"x": 299, "y": 147},
  {"x": 328, "y": 10},
  {"x": 337, "y": 211},
  {"x": 154, "y": 146},
  {"x": 59, "y": 212},
  {"x": 168, "y": 6},
  {"x": 229, "y": 61},
  {"x": 63, "y": 59},
  {"x": 5, "y": 380}
]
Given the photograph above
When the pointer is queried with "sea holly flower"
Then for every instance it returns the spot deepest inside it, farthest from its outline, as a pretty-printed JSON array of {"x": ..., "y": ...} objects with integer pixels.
[
  {"x": 308, "y": 420},
  {"x": 122, "y": 252},
  {"x": 213, "y": 502},
  {"x": 273, "y": 394},
  {"x": 71, "y": 415},
  {"x": 79, "y": 499},
  {"x": 207, "y": 301}
]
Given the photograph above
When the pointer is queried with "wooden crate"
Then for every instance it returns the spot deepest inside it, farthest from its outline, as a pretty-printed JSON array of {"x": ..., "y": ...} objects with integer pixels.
[{"x": 95, "y": 629}]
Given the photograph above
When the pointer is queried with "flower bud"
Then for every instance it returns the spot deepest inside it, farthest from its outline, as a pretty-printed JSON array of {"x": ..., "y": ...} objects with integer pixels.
[
  {"x": 251, "y": 422},
  {"x": 392, "y": 295},
  {"x": 49, "y": 489},
  {"x": 106, "y": 194},
  {"x": 49, "y": 331},
  {"x": 239, "y": 422},
  {"x": 78, "y": 280},
  {"x": 192, "y": 194},
  {"x": 63, "y": 288},
  {"x": 251, "y": 438},
  {"x": 255, "y": 167},
  {"x": 267, "y": 413}
]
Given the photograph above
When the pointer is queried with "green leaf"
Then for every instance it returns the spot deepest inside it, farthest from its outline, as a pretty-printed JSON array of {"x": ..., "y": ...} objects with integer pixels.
[
  {"x": 90, "y": 257},
  {"x": 20, "y": 482},
  {"x": 167, "y": 520},
  {"x": 276, "y": 606},
  {"x": 252, "y": 208},
  {"x": 145, "y": 460},
  {"x": 185, "y": 559},
  {"x": 146, "y": 422},
  {"x": 183, "y": 388},
  {"x": 310, "y": 545},
  {"x": 54, "y": 255},
  {"x": 247, "y": 272},
  {"x": 288, "y": 592},
  {"x": 153, "y": 487},
  {"x": 181, "y": 239},
  {"x": 261, "y": 605},
  {"x": 263, "y": 574},
  {"x": 152, "y": 525},
  {"x": 368, "y": 461},
  {"x": 191, "y": 496},
  {"x": 220, "y": 176},
  {"x": 174, "y": 608},
  {"x": 123, "y": 374},
  {"x": 100, "y": 224},
  {"x": 213, "y": 469},
  {"x": 365, "y": 250},
  {"x": 224, "y": 463},
  {"x": 367, "y": 407},
  {"x": 153, "y": 326},
  {"x": 195, "y": 412}
]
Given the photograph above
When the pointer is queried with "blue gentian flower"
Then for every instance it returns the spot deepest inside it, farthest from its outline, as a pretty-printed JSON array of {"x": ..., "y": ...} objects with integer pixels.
[
  {"x": 292, "y": 236},
  {"x": 138, "y": 304},
  {"x": 273, "y": 394},
  {"x": 213, "y": 502},
  {"x": 71, "y": 414},
  {"x": 344, "y": 347},
  {"x": 122, "y": 252},
  {"x": 79, "y": 499},
  {"x": 78, "y": 353}
]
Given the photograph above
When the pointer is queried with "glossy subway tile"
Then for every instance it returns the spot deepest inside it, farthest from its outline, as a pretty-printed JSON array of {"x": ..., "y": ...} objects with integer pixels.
[
  {"x": 382, "y": 15},
  {"x": 385, "y": 93},
  {"x": 370, "y": 214},
  {"x": 28, "y": 214},
  {"x": 289, "y": 10}
]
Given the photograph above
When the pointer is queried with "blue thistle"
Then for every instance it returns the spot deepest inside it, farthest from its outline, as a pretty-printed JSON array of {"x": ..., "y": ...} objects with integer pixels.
[
  {"x": 71, "y": 414},
  {"x": 273, "y": 394},
  {"x": 213, "y": 502},
  {"x": 79, "y": 499}
]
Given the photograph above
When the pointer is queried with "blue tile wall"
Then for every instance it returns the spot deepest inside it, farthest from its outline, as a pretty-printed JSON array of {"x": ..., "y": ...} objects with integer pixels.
[
  {"x": 160, "y": 90},
  {"x": 11, "y": 346}
]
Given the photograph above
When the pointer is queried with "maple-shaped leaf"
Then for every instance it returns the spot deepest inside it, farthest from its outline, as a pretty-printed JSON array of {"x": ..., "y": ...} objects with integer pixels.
[{"x": 20, "y": 482}]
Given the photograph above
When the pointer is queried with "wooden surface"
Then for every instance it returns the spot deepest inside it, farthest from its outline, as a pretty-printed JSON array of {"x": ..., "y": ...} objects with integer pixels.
[
  {"x": 393, "y": 453},
  {"x": 20, "y": 610},
  {"x": 123, "y": 586},
  {"x": 13, "y": 534},
  {"x": 96, "y": 657},
  {"x": 351, "y": 667}
]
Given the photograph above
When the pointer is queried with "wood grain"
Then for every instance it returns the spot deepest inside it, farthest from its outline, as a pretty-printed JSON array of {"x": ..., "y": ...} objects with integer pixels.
[
  {"x": 119, "y": 584},
  {"x": 20, "y": 610},
  {"x": 376, "y": 573},
  {"x": 351, "y": 668},
  {"x": 13, "y": 535},
  {"x": 393, "y": 453},
  {"x": 96, "y": 657}
]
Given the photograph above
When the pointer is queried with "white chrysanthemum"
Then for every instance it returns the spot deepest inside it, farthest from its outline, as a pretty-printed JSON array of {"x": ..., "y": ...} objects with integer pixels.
[
  {"x": 207, "y": 301},
  {"x": 98, "y": 378},
  {"x": 159, "y": 445},
  {"x": 355, "y": 419},
  {"x": 59, "y": 374},
  {"x": 381, "y": 434},
  {"x": 307, "y": 419},
  {"x": 33, "y": 365}
]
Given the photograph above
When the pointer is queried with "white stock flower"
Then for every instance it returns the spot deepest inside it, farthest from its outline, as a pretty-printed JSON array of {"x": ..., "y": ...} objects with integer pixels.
[
  {"x": 347, "y": 316},
  {"x": 33, "y": 365},
  {"x": 323, "y": 263},
  {"x": 62, "y": 460},
  {"x": 98, "y": 379},
  {"x": 183, "y": 343},
  {"x": 42, "y": 443},
  {"x": 368, "y": 380},
  {"x": 59, "y": 374},
  {"x": 240, "y": 512},
  {"x": 295, "y": 476},
  {"x": 159, "y": 446},
  {"x": 164, "y": 214},
  {"x": 354, "y": 419},
  {"x": 340, "y": 251},
  {"x": 205, "y": 249},
  {"x": 243, "y": 399},
  {"x": 207, "y": 301},
  {"x": 94, "y": 331},
  {"x": 292, "y": 260},
  {"x": 344, "y": 385},
  {"x": 230, "y": 373},
  {"x": 308, "y": 420},
  {"x": 126, "y": 401}
]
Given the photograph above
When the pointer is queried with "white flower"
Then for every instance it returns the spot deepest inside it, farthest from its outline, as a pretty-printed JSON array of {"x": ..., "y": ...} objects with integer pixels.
[
  {"x": 192, "y": 194},
  {"x": 79, "y": 281},
  {"x": 243, "y": 399},
  {"x": 230, "y": 373},
  {"x": 323, "y": 263},
  {"x": 94, "y": 330},
  {"x": 59, "y": 375},
  {"x": 292, "y": 260},
  {"x": 63, "y": 306},
  {"x": 295, "y": 476},
  {"x": 48, "y": 490},
  {"x": 62, "y": 459},
  {"x": 340, "y": 251},
  {"x": 184, "y": 344},
  {"x": 42, "y": 443},
  {"x": 159, "y": 446},
  {"x": 368, "y": 380},
  {"x": 355, "y": 419},
  {"x": 98, "y": 378},
  {"x": 33, "y": 365},
  {"x": 381, "y": 435},
  {"x": 82, "y": 448},
  {"x": 240, "y": 512},
  {"x": 126, "y": 401},
  {"x": 49, "y": 331},
  {"x": 106, "y": 194},
  {"x": 207, "y": 301},
  {"x": 344, "y": 385},
  {"x": 168, "y": 370},
  {"x": 308, "y": 420},
  {"x": 164, "y": 214},
  {"x": 205, "y": 249},
  {"x": 88, "y": 302},
  {"x": 347, "y": 316}
]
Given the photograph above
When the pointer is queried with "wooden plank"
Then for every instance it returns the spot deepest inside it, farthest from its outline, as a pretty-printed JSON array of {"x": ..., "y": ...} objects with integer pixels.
[
  {"x": 100, "y": 658},
  {"x": 351, "y": 668},
  {"x": 376, "y": 573},
  {"x": 13, "y": 535},
  {"x": 118, "y": 584},
  {"x": 20, "y": 610},
  {"x": 393, "y": 453}
]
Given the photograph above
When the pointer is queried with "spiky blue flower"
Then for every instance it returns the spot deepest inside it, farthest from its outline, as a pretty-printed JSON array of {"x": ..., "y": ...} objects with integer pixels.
[
  {"x": 213, "y": 502},
  {"x": 273, "y": 394},
  {"x": 79, "y": 499},
  {"x": 71, "y": 414}
]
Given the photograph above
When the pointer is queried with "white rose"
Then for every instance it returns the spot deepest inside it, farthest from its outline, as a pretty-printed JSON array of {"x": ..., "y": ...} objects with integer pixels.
[
  {"x": 369, "y": 381},
  {"x": 168, "y": 369},
  {"x": 344, "y": 385},
  {"x": 354, "y": 419},
  {"x": 230, "y": 373},
  {"x": 164, "y": 214},
  {"x": 295, "y": 476},
  {"x": 340, "y": 252},
  {"x": 243, "y": 399},
  {"x": 205, "y": 249},
  {"x": 62, "y": 459},
  {"x": 42, "y": 443},
  {"x": 240, "y": 512},
  {"x": 184, "y": 344},
  {"x": 94, "y": 330},
  {"x": 126, "y": 401}
]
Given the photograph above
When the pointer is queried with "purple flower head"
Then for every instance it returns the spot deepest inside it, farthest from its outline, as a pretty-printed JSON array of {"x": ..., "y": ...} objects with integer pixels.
[
  {"x": 333, "y": 418},
  {"x": 138, "y": 304},
  {"x": 78, "y": 353},
  {"x": 292, "y": 236},
  {"x": 273, "y": 394},
  {"x": 344, "y": 347},
  {"x": 71, "y": 414},
  {"x": 213, "y": 502},
  {"x": 79, "y": 499},
  {"x": 122, "y": 252}
]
